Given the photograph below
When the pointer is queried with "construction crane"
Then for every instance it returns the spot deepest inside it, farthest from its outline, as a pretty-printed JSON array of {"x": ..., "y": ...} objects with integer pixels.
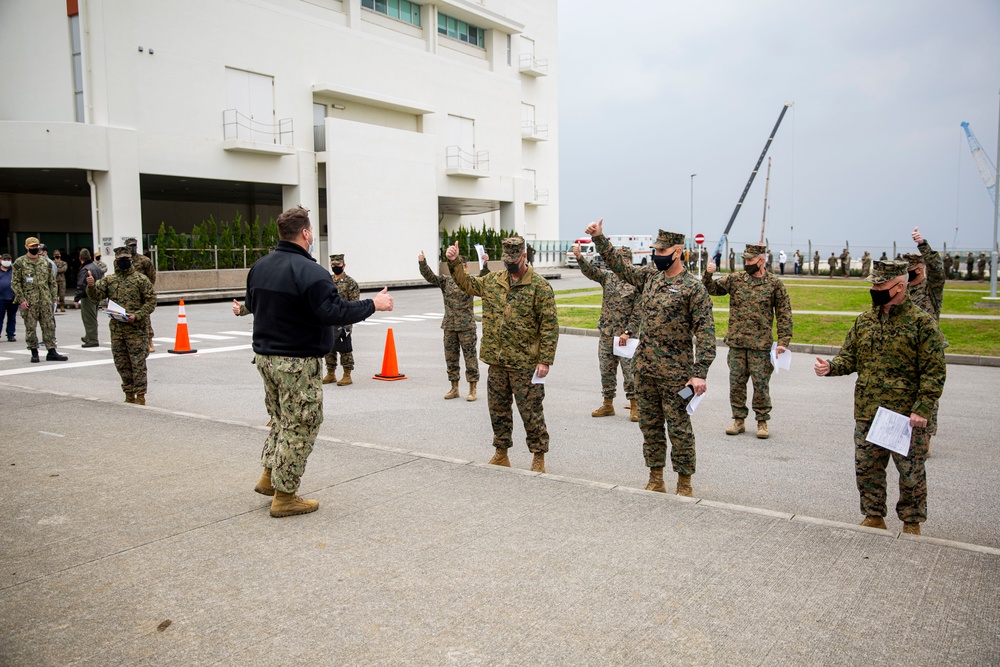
[
  {"x": 986, "y": 168},
  {"x": 722, "y": 240}
]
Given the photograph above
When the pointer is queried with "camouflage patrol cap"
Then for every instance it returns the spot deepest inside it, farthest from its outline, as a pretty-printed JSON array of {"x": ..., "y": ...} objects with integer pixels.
[
  {"x": 913, "y": 260},
  {"x": 883, "y": 272},
  {"x": 124, "y": 252},
  {"x": 667, "y": 239},
  {"x": 513, "y": 248},
  {"x": 754, "y": 250},
  {"x": 626, "y": 253},
  {"x": 131, "y": 241},
  {"x": 337, "y": 260},
  {"x": 31, "y": 241}
]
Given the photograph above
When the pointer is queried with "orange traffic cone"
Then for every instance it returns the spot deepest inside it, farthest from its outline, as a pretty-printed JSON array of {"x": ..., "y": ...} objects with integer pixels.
[
  {"x": 390, "y": 371},
  {"x": 182, "y": 345}
]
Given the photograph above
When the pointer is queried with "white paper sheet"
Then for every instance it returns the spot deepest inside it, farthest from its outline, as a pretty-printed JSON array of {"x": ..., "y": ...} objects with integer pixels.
[
  {"x": 627, "y": 350},
  {"x": 693, "y": 403},
  {"x": 480, "y": 251},
  {"x": 537, "y": 380},
  {"x": 891, "y": 431},
  {"x": 781, "y": 362},
  {"x": 115, "y": 311}
]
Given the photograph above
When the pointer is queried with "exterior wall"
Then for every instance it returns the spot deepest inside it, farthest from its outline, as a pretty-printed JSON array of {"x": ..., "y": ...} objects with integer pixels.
[{"x": 160, "y": 111}]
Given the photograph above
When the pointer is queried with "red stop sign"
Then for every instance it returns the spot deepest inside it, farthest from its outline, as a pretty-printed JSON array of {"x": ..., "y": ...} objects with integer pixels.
[{"x": 699, "y": 238}]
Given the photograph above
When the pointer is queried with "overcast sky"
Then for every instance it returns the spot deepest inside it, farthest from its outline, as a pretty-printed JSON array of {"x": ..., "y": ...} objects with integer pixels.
[{"x": 651, "y": 92}]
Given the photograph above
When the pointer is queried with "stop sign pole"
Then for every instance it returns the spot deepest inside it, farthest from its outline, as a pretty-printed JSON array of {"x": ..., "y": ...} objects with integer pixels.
[{"x": 699, "y": 238}]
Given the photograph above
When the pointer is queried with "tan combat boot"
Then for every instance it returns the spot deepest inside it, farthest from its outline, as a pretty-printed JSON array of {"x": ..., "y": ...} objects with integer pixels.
[
  {"x": 330, "y": 377},
  {"x": 140, "y": 399},
  {"x": 656, "y": 481},
  {"x": 911, "y": 528},
  {"x": 500, "y": 458},
  {"x": 684, "y": 486},
  {"x": 130, "y": 398},
  {"x": 538, "y": 463},
  {"x": 346, "y": 380},
  {"x": 633, "y": 411},
  {"x": 874, "y": 522},
  {"x": 264, "y": 486},
  {"x": 152, "y": 348},
  {"x": 606, "y": 410},
  {"x": 453, "y": 392},
  {"x": 289, "y": 504},
  {"x": 736, "y": 427},
  {"x": 472, "y": 392},
  {"x": 762, "y": 430}
]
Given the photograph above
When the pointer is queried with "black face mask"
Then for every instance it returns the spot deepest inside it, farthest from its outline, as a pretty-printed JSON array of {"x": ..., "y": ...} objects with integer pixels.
[
  {"x": 512, "y": 268},
  {"x": 881, "y": 297},
  {"x": 663, "y": 262},
  {"x": 752, "y": 269},
  {"x": 32, "y": 251},
  {"x": 337, "y": 270},
  {"x": 124, "y": 264},
  {"x": 912, "y": 275}
]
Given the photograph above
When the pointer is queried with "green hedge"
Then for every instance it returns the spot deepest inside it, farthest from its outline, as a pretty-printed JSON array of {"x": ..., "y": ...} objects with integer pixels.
[
  {"x": 467, "y": 239},
  {"x": 181, "y": 252}
]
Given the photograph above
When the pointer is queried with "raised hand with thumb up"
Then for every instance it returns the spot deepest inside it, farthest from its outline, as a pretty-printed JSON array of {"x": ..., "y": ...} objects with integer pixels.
[
  {"x": 452, "y": 252},
  {"x": 382, "y": 300},
  {"x": 90, "y": 277}
]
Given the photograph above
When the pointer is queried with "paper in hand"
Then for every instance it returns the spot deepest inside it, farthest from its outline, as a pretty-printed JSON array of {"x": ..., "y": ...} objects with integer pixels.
[
  {"x": 537, "y": 380},
  {"x": 781, "y": 361},
  {"x": 693, "y": 403},
  {"x": 480, "y": 251},
  {"x": 891, "y": 430},
  {"x": 627, "y": 350}
]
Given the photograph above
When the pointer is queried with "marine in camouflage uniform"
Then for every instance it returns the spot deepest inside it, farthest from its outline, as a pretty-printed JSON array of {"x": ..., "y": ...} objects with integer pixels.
[
  {"x": 129, "y": 343},
  {"x": 619, "y": 318},
  {"x": 926, "y": 290},
  {"x": 520, "y": 334},
  {"x": 349, "y": 290},
  {"x": 981, "y": 267},
  {"x": 143, "y": 265},
  {"x": 459, "y": 325},
  {"x": 816, "y": 263},
  {"x": 898, "y": 355},
  {"x": 34, "y": 284},
  {"x": 755, "y": 302},
  {"x": 866, "y": 264},
  {"x": 674, "y": 310},
  {"x": 833, "y": 264},
  {"x": 947, "y": 265},
  {"x": 61, "y": 268}
]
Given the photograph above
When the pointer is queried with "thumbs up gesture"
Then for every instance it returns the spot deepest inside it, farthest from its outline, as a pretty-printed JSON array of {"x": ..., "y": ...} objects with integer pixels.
[
  {"x": 452, "y": 252},
  {"x": 236, "y": 307},
  {"x": 383, "y": 301},
  {"x": 90, "y": 277}
]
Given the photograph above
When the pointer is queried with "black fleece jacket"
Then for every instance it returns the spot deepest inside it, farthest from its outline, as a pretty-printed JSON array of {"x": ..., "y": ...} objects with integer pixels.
[{"x": 295, "y": 304}]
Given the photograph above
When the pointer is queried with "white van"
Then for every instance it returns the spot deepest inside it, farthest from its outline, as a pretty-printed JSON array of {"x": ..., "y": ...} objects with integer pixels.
[{"x": 639, "y": 243}]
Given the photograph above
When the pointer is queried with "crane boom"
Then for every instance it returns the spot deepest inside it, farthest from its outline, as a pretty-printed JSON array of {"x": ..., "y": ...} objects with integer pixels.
[
  {"x": 982, "y": 160},
  {"x": 760, "y": 160}
]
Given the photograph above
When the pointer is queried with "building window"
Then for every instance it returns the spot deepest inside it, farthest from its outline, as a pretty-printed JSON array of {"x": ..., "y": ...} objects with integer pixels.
[
  {"x": 460, "y": 30},
  {"x": 319, "y": 127},
  {"x": 508, "y": 49},
  {"x": 404, "y": 10},
  {"x": 74, "y": 39}
]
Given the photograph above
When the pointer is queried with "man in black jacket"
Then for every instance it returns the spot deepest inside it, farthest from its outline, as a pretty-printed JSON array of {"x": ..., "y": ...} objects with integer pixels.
[
  {"x": 88, "y": 308},
  {"x": 295, "y": 307}
]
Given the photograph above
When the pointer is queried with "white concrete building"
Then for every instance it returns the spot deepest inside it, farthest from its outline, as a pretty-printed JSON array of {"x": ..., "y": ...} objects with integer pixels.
[{"x": 388, "y": 119}]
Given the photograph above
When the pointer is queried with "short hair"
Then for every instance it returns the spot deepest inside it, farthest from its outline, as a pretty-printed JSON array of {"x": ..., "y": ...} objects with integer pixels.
[{"x": 292, "y": 222}]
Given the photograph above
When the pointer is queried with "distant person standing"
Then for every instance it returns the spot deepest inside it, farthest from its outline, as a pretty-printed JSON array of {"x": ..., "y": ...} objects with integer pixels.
[
  {"x": 898, "y": 353},
  {"x": 459, "y": 326},
  {"x": 957, "y": 267},
  {"x": 883, "y": 258},
  {"x": 782, "y": 258},
  {"x": 8, "y": 305},
  {"x": 97, "y": 260},
  {"x": 816, "y": 259},
  {"x": 88, "y": 307},
  {"x": 61, "y": 268},
  {"x": 295, "y": 305},
  {"x": 833, "y": 264},
  {"x": 349, "y": 290},
  {"x": 866, "y": 264},
  {"x": 845, "y": 264},
  {"x": 770, "y": 261},
  {"x": 34, "y": 285},
  {"x": 981, "y": 267},
  {"x": 968, "y": 266},
  {"x": 732, "y": 260},
  {"x": 797, "y": 263},
  {"x": 947, "y": 265},
  {"x": 129, "y": 346},
  {"x": 757, "y": 300},
  {"x": 619, "y": 321},
  {"x": 143, "y": 265},
  {"x": 520, "y": 334}
]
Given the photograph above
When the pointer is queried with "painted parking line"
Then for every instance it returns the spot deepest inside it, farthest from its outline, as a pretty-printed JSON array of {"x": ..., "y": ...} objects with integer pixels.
[
  {"x": 238, "y": 333},
  {"x": 101, "y": 362},
  {"x": 210, "y": 337}
]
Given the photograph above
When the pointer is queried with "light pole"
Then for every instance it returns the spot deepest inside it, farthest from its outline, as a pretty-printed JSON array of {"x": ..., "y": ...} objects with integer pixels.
[{"x": 692, "y": 226}]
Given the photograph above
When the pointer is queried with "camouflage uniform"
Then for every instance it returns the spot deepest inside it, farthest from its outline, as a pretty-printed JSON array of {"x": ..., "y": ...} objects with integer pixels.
[
  {"x": 520, "y": 331},
  {"x": 899, "y": 358},
  {"x": 672, "y": 312},
  {"x": 129, "y": 343},
  {"x": 833, "y": 264},
  {"x": 732, "y": 261},
  {"x": 33, "y": 282},
  {"x": 754, "y": 304},
  {"x": 928, "y": 296},
  {"x": 981, "y": 267},
  {"x": 349, "y": 290},
  {"x": 618, "y": 316},
  {"x": 816, "y": 263},
  {"x": 290, "y": 383},
  {"x": 866, "y": 264},
  {"x": 143, "y": 265},
  {"x": 947, "y": 265},
  {"x": 459, "y": 324},
  {"x": 845, "y": 264},
  {"x": 61, "y": 268}
]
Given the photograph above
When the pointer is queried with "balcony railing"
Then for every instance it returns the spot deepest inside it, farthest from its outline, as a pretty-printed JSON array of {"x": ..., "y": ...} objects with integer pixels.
[
  {"x": 541, "y": 197},
  {"x": 460, "y": 162},
  {"x": 532, "y": 131},
  {"x": 236, "y": 126},
  {"x": 532, "y": 66}
]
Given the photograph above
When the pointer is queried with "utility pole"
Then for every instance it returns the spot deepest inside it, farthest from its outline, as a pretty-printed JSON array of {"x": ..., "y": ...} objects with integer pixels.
[{"x": 996, "y": 214}]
